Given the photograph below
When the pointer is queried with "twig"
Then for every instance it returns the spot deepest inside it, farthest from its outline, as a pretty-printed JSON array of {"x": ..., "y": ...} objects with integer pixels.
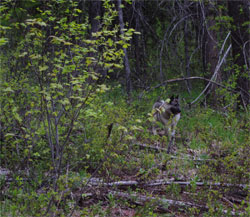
[
  {"x": 228, "y": 201},
  {"x": 235, "y": 200}
]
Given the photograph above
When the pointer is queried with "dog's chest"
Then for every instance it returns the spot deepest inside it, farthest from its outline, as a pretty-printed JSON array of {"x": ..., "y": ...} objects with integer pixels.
[{"x": 166, "y": 115}]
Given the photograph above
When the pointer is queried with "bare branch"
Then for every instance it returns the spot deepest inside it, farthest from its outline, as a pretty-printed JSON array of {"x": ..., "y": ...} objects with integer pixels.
[
  {"x": 246, "y": 58},
  {"x": 192, "y": 78},
  {"x": 214, "y": 75}
]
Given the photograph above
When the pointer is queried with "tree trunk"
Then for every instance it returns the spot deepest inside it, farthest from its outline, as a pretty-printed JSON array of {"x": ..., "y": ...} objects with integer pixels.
[
  {"x": 137, "y": 48},
  {"x": 95, "y": 9},
  {"x": 210, "y": 48},
  {"x": 94, "y": 12},
  {"x": 239, "y": 11},
  {"x": 126, "y": 61},
  {"x": 186, "y": 40}
]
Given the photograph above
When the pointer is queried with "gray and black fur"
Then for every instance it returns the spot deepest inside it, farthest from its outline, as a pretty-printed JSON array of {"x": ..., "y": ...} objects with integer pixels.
[{"x": 168, "y": 114}]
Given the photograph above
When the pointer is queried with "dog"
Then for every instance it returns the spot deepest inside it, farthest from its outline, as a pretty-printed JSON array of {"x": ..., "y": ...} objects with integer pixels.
[{"x": 168, "y": 113}]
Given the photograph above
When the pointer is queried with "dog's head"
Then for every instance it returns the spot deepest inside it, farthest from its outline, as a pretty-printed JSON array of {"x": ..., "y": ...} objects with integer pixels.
[
  {"x": 175, "y": 101},
  {"x": 175, "y": 104}
]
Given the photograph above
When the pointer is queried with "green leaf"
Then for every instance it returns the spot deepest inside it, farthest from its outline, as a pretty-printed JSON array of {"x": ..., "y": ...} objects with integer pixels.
[
  {"x": 167, "y": 100},
  {"x": 88, "y": 61},
  {"x": 3, "y": 41},
  {"x": 17, "y": 117},
  {"x": 43, "y": 68},
  {"x": 65, "y": 101},
  {"x": 8, "y": 89},
  {"x": 110, "y": 42},
  {"x": 23, "y": 54},
  {"x": 36, "y": 154},
  {"x": 35, "y": 56},
  {"x": 9, "y": 134}
]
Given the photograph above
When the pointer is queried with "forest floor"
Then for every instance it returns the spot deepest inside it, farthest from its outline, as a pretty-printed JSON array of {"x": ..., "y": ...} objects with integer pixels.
[
  {"x": 207, "y": 172},
  {"x": 187, "y": 182}
]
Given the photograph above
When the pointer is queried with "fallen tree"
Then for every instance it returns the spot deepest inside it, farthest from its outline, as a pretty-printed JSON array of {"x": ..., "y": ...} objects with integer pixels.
[
  {"x": 162, "y": 203},
  {"x": 163, "y": 182}
]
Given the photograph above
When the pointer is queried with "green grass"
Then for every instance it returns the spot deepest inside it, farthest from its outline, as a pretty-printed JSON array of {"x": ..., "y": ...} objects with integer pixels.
[{"x": 201, "y": 133}]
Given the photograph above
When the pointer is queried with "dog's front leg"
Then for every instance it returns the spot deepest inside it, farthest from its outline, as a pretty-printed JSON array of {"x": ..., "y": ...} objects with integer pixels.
[
  {"x": 170, "y": 144},
  {"x": 172, "y": 131},
  {"x": 171, "y": 136}
]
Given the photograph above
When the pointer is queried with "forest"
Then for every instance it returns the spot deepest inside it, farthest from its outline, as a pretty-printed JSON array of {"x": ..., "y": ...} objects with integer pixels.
[{"x": 124, "y": 108}]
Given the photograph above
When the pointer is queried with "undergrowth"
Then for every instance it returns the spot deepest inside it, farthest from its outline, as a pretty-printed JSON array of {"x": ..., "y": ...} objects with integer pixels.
[{"x": 106, "y": 145}]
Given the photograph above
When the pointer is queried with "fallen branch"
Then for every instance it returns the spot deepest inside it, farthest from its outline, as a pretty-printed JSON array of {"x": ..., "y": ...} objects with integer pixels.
[
  {"x": 167, "y": 182},
  {"x": 159, "y": 201},
  {"x": 158, "y": 182},
  {"x": 162, "y": 202},
  {"x": 228, "y": 202}
]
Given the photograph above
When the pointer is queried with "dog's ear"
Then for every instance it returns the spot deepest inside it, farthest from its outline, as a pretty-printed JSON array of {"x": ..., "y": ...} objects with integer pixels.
[{"x": 171, "y": 98}]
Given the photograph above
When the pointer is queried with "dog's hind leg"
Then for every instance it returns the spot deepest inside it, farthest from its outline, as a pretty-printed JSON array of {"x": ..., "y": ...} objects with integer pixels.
[{"x": 154, "y": 128}]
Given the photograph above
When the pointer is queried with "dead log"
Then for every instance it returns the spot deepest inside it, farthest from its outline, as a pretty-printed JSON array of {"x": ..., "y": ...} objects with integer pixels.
[
  {"x": 159, "y": 201},
  {"x": 211, "y": 184},
  {"x": 163, "y": 182},
  {"x": 162, "y": 202}
]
